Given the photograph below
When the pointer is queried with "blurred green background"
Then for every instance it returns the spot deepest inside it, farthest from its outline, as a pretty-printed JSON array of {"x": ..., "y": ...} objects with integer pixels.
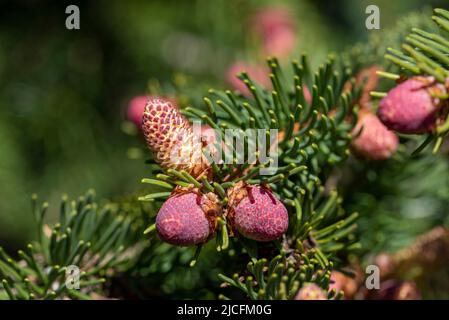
[{"x": 63, "y": 93}]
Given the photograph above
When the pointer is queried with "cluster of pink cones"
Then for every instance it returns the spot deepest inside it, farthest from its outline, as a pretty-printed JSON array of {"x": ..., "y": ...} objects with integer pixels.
[
  {"x": 188, "y": 216},
  {"x": 414, "y": 106}
]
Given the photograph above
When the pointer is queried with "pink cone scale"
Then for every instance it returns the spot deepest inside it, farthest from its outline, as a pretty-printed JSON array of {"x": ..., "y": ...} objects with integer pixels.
[
  {"x": 412, "y": 107},
  {"x": 186, "y": 219},
  {"x": 375, "y": 141},
  {"x": 257, "y": 214}
]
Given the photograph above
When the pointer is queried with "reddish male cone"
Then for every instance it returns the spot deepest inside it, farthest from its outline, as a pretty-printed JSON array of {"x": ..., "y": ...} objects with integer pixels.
[
  {"x": 311, "y": 291},
  {"x": 256, "y": 73},
  {"x": 256, "y": 213},
  {"x": 187, "y": 218},
  {"x": 412, "y": 106},
  {"x": 136, "y": 107},
  {"x": 375, "y": 141},
  {"x": 170, "y": 137}
]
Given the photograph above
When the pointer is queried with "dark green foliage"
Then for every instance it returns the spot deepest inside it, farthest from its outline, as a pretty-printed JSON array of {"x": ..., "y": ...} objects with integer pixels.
[
  {"x": 97, "y": 239},
  {"x": 425, "y": 52},
  {"x": 281, "y": 277},
  {"x": 372, "y": 51},
  {"x": 400, "y": 200}
]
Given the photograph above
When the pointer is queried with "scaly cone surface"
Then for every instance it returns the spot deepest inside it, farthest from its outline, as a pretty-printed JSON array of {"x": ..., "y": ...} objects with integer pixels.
[
  {"x": 256, "y": 213},
  {"x": 171, "y": 138}
]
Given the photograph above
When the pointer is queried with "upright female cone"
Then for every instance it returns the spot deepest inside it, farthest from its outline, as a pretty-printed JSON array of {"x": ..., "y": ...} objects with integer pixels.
[{"x": 171, "y": 138}]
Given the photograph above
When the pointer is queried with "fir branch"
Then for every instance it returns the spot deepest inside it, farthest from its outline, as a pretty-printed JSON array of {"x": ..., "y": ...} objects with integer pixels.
[{"x": 91, "y": 238}]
